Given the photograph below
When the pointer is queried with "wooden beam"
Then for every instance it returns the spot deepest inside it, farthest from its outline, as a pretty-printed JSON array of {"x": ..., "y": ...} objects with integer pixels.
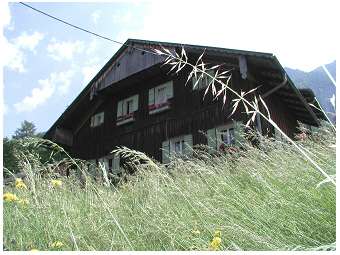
[{"x": 87, "y": 116}]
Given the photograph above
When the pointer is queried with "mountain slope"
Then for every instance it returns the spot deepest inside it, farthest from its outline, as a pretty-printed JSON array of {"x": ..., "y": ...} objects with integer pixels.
[{"x": 319, "y": 82}]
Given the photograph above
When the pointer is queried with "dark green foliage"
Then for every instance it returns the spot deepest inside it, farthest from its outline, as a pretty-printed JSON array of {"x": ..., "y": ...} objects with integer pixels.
[{"x": 16, "y": 144}]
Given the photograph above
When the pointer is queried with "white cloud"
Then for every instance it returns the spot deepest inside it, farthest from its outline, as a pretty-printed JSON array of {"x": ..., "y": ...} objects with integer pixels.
[
  {"x": 65, "y": 49},
  {"x": 5, "y": 16},
  {"x": 96, "y": 16},
  {"x": 39, "y": 95},
  {"x": 128, "y": 17},
  {"x": 13, "y": 55},
  {"x": 92, "y": 47},
  {"x": 90, "y": 72},
  {"x": 5, "y": 108},
  {"x": 28, "y": 41},
  {"x": 65, "y": 79},
  {"x": 116, "y": 17}
]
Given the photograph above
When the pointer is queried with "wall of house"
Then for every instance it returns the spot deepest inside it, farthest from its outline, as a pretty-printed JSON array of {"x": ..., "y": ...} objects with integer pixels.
[{"x": 189, "y": 114}]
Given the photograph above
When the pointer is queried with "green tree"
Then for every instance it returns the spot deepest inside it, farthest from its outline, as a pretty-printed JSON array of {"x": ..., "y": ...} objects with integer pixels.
[
  {"x": 26, "y": 130},
  {"x": 9, "y": 160},
  {"x": 12, "y": 146}
]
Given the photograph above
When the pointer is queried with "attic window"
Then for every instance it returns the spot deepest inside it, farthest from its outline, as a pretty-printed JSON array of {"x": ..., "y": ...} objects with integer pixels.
[{"x": 97, "y": 119}]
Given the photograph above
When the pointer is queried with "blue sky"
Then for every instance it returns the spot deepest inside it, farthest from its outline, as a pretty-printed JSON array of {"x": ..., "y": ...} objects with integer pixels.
[{"x": 46, "y": 63}]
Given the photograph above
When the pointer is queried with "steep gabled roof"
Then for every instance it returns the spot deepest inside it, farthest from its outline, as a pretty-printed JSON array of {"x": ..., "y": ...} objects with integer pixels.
[{"x": 254, "y": 66}]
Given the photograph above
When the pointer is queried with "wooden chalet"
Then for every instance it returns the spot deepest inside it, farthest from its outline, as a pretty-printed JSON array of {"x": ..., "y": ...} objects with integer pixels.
[{"x": 133, "y": 101}]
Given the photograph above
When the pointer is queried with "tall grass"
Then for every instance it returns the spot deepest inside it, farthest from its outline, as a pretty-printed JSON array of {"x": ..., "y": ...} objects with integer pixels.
[{"x": 259, "y": 199}]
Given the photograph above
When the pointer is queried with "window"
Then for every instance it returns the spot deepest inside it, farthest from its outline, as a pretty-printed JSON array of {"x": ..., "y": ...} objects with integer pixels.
[
  {"x": 159, "y": 98},
  {"x": 161, "y": 94},
  {"x": 179, "y": 146},
  {"x": 97, "y": 119},
  {"x": 111, "y": 163},
  {"x": 227, "y": 134},
  {"x": 203, "y": 81},
  {"x": 126, "y": 109}
]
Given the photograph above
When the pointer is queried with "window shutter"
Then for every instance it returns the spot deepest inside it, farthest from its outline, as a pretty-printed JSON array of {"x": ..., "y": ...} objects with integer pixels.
[
  {"x": 239, "y": 133},
  {"x": 102, "y": 118},
  {"x": 92, "y": 121},
  {"x": 120, "y": 109},
  {"x": 116, "y": 163},
  {"x": 188, "y": 145},
  {"x": 135, "y": 102},
  {"x": 211, "y": 137},
  {"x": 151, "y": 96},
  {"x": 170, "y": 90},
  {"x": 165, "y": 152}
]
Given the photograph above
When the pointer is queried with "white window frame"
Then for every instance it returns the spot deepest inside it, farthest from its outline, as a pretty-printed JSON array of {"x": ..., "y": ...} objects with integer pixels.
[
  {"x": 97, "y": 119},
  {"x": 225, "y": 129},
  {"x": 173, "y": 148}
]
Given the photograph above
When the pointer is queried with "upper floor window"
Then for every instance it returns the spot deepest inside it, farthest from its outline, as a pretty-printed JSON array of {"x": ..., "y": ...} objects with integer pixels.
[
  {"x": 159, "y": 98},
  {"x": 97, "y": 119},
  {"x": 202, "y": 81},
  {"x": 126, "y": 109},
  {"x": 161, "y": 94}
]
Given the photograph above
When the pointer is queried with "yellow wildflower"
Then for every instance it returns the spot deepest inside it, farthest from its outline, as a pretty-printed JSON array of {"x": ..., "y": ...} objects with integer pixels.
[
  {"x": 57, "y": 244},
  {"x": 23, "y": 201},
  {"x": 183, "y": 236},
  {"x": 217, "y": 233},
  {"x": 214, "y": 245},
  {"x": 56, "y": 183},
  {"x": 197, "y": 232},
  {"x": 215, "y": 242},
  {"x": 192, "y": 247},
  {"x": 20, "y": 185},
  {"x": 18, "y": 180},
  {"x": 90, "y": 214},
  {"x": 10, "y": 197},
  {"x": 196, "y": 223},
  {"x": 34, "y": 250},
  {"x": 218, "y": 239}
]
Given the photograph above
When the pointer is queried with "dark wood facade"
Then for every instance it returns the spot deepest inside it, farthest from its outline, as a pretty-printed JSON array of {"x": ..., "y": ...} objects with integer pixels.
[{"x": 135, "y": 71}]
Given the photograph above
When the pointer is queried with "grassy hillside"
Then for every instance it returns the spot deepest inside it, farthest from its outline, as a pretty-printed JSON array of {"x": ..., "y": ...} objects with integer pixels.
[{"x": 268, "y": 199}]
